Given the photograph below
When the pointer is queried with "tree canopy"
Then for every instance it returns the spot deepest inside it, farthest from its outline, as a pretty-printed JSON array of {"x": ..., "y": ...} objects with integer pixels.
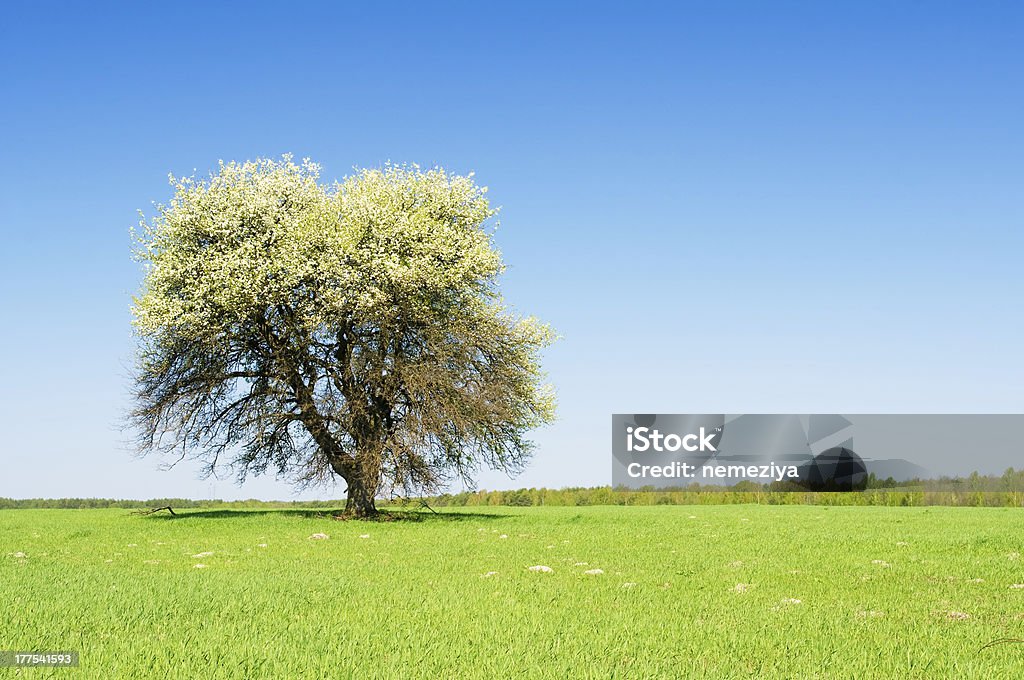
[{"x": 354, "y": 329}]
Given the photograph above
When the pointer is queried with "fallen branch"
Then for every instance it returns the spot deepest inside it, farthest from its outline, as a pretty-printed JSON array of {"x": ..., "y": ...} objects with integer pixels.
[
  {"x": 143, "y": 513},
  {"x": 1001, "y": 641},
  {"x": 406, "y": 501}
]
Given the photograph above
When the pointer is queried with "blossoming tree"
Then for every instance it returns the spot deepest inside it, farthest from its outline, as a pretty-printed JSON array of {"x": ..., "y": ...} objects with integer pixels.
[{"x": 352, "y": 330}]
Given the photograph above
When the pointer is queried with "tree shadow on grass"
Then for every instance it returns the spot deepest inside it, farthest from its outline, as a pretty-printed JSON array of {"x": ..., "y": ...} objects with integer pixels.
[{"x": 386, "y": 515}]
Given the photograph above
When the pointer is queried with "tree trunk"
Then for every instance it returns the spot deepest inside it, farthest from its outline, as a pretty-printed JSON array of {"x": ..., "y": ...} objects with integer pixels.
[
  {"x": 362, "y": 474},
  {"x": 360, "y": 503}
]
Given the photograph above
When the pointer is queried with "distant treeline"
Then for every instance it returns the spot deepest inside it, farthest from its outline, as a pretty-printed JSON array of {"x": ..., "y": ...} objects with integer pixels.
[
  {"x": 609, "y": 496},
  {"x": 176, "y": 503},
  {"x": 1006, "y": 490}
]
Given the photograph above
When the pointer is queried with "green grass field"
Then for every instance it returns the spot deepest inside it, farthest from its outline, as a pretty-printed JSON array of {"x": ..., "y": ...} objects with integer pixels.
[{"x": 710, "y": 591}]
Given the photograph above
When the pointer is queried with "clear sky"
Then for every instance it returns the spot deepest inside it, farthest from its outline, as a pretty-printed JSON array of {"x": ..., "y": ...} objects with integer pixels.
[{"x": 721, "y": 207}]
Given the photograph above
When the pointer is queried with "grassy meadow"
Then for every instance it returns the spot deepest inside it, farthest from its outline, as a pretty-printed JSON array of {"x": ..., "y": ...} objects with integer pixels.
[{"x": 684, "y": 591}]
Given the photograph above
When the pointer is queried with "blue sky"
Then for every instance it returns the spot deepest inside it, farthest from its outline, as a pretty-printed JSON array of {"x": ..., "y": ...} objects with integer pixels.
[{"x": 721, "y": 207}]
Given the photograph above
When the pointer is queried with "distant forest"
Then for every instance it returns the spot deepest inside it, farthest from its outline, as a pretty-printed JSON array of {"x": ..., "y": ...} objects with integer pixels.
[{"x": 1006, "y": 490}]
